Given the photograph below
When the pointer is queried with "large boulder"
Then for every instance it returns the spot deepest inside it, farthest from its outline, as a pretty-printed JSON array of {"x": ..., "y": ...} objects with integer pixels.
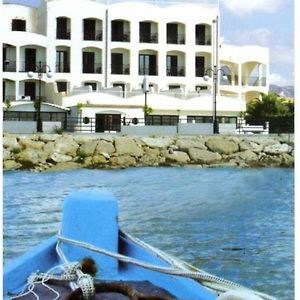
[
  {"x": 277, "y": 149},
  {"x": 6, "y": 154},
  {"x": 30, "y": 157},
  {"x": 204, "y": 156},
  {"x": 159, "y": 142},
  {"x": 88, "y": 147},
  {"x": 128, "y": 146},
  {"x": 104, "y": 146},
  {"x": 66, "y": 145},
  {"x": 178, "y": 157},
  {"x": 10, "y": 142},
  {"x": 123, "y": 161},
  {"x": 60, "y": 158},
  {"x": 250, "y": 145},
  {"x": 222, "y": 145},
  {"x": 11, "y": 165},
  {"x": 247, "y": 156},
  {"x": 185, "y": 144},
  {"x": 28, "y": 143}
]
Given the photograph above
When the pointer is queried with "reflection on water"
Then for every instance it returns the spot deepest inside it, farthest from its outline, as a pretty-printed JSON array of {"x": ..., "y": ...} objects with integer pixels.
[{"x": 235, "y": 223}]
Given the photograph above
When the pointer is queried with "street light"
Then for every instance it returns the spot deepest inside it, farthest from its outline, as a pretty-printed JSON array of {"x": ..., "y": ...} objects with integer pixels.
[
  {"x": 145, "y": 90},
  {"x": 40, "y": 69},
  {"x": 214, "y": 73}
]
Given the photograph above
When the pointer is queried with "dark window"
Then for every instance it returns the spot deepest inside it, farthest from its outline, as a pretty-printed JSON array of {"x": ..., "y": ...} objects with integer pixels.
[
  {"x": 61, "y": 86},
  {"x": 172, "y": 33},
  {"x": 147, "y": 64},
  {"x": 29, "y": 90},
  {"x": 62, "y": 62},
  {"x": 200, "y": 68},
  {"x": 18, "y": 25},
  {"x": 108, "y": 122},
  {"x": 162, "y": 120},
  {"x": 199, "y": 88},
  {"x": 62, "y": 31},
  {"x": 89, "y": 29},
  {"x": 30, "y": 59},
  {"x": 93, "y": 84},
  {"x": 117, "y": 66},
  {"x": 88, "y": 62},
  {"x": 199, "y": 119},
  {"x": 145, "y": 32},
  {"x": 117, "y": 32},
  {"x": 174, "y": 87}
]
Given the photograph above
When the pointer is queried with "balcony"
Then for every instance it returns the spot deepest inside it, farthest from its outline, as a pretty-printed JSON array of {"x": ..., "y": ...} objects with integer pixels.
[
  {"x": 93, "y": 35},
  {"x": 148, "y": 70},
  {"x": 152, "y": 38},
  {"x": 120, "y": 37},
  {"x": 26, "y": 66},
  {"x": 253, "y": 81},
  {"x": 9, "y": 66},
  {"x": 63, "y": 35},
  {"x": 176, "y": 39},
  {"x": 92, "y": 68},
  {"x": 175, "y": 71},
  {"x": 204, "y": 40},
  {"x": 63, "y": 67},
  {"x": 120, "y": 69}
]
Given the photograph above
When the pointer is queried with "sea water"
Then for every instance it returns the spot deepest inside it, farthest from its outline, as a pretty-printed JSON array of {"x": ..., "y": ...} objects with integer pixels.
[{"x": 234, "y": 223}]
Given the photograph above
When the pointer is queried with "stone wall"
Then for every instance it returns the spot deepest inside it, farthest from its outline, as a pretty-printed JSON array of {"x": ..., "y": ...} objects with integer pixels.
[{"x": 41, "y": 152}]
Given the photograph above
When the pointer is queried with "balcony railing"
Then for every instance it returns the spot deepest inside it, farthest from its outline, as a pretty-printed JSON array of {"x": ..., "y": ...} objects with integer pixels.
[
  {"x": 176, "y": 71},
  {"x": 152, "y": 38},
  {"x": 63, "y": 35},
  {"x": 120, "y": 69},
  {"x": 176, "y": 39},
  {"x": 117, "y": 37},
  {"x": 200, "y": 72},
  {"x": 63, "y": 67},
  {"x": 150, "y": 70},
  {"x": 253, "y": 81},
  {"x": 93, "y": 35},
  {"x": 9, "y": 66},
  {"x": 92, "y": 68},
  {"x": 26, "y": 66},
  {"x": 203, "y": 40}
]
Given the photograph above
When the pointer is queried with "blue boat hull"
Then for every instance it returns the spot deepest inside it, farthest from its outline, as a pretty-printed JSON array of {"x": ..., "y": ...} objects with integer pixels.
[{"x": 91, "y": 206}]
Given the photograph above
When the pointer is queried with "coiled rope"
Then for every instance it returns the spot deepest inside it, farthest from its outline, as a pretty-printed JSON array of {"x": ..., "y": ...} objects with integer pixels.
[{"x": 178, "y": 268}]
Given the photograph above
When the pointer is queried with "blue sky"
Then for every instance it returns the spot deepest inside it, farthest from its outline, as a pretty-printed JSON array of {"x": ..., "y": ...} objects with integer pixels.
[{"x": 267, "y": 23}]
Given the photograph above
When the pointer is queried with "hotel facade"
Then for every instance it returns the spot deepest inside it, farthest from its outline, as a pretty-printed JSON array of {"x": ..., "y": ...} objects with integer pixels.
[{"x": 99, "y": 54}]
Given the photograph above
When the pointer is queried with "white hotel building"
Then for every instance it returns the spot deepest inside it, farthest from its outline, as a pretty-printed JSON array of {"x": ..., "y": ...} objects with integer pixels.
[{"x": 100, "y": 51}]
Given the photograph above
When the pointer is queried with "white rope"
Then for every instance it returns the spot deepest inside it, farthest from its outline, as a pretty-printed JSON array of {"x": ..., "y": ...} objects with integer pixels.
[{"x": 203, "y": 277}]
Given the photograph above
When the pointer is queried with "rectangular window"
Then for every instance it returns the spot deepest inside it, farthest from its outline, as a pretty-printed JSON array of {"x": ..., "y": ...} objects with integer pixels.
[
  {"x": 61, "y": 86},
  {"x": 199, "y": 119},
  {"x": 162, "y": 120},
  {"x": 62, "y": 62},
  {"x": 147, "y": 64},
  {"x": 200, "y": 66},
  {"x": 18, "y": 25},
  {"x": 62, "y": 31}
]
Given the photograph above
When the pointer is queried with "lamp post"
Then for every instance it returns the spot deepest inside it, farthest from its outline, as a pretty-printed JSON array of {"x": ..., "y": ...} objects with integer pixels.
[
  {"x": 40, "y": 69},
  {"x": 145, "y": 90},
  {"x": 214, "y": 73}
]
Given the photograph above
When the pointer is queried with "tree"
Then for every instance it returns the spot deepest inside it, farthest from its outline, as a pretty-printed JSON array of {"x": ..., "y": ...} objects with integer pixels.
[{"x": 274, "y": 109}]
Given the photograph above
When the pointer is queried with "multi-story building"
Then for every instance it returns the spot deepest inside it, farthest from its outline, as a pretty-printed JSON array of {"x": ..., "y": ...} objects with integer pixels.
[{"x": 100, "y": 51}]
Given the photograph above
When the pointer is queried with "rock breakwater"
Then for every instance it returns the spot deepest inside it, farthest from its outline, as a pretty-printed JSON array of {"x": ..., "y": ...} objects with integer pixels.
[{"x": 41, "y": 152}]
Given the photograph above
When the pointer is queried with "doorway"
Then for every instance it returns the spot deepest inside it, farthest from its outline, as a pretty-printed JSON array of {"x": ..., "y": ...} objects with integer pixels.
[{"x": 108, "y": 122}]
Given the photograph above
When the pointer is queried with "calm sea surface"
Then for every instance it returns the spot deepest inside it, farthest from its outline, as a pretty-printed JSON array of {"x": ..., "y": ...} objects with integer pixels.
[{"x": 235, "y": 223}]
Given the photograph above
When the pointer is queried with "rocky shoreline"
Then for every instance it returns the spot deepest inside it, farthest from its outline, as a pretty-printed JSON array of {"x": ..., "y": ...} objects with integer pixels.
[{"x": 42, "y": 152}]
